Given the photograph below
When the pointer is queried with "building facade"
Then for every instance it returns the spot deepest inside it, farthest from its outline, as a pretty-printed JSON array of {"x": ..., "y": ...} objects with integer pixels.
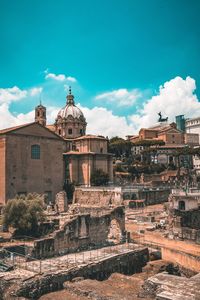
[
  {"x": 28, "y": 162},
  {"x": 84, "y": 153},
  {"x": 42, "y": 158},
  {"x": 90, "y": 153},
  {"x": 184, "y": 214},
  {"x": 193, "y": 127}
]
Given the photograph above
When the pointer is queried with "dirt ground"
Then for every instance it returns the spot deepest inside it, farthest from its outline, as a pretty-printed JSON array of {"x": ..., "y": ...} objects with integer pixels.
[{"x": 156, "y": 237}]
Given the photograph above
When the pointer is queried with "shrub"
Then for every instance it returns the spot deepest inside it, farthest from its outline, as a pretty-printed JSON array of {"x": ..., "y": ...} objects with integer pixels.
[{"x": 24, "y": 214}]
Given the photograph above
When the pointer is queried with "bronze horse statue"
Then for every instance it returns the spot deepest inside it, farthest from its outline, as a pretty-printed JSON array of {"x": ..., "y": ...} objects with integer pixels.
[{"x": 161, "y": 119}]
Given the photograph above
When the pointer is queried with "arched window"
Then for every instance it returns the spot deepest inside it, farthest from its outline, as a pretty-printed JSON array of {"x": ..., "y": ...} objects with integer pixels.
[{"x": 35, "y": 152}]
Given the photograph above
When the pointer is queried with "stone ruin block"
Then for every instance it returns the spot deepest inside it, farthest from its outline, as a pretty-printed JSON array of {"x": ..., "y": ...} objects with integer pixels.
[{"x": 61, "y": 204}]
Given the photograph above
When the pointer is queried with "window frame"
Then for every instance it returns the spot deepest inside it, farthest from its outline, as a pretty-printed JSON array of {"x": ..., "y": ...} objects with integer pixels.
[{"x": 35, "y": 151}]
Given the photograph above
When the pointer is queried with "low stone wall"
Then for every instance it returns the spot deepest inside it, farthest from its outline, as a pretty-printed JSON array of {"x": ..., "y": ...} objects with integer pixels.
[
  {"x": 154, "y": 196},
  {"x": 83, "y": 231},
  {"x": 126, "y": 263},
  {"x": 186, "y": 260},
  {"x": 150, "y": 196},
  {"x": 98, "y": 196}
]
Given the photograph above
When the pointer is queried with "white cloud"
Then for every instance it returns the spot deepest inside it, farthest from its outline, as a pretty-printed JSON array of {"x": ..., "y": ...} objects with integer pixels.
[
  {"x": 70, "y": 78},
  {"x": 175, "y": 97},
  {"x": 59, "y": 77},
  {"x": 120, "y": 97},
  {"x": 103, "y": 122},
  {"x": 52, "y": 112},
  {"x": 8, "y": 119},
  {"x": 9, "y": 95},
  {"x": 35, "y": 91}
]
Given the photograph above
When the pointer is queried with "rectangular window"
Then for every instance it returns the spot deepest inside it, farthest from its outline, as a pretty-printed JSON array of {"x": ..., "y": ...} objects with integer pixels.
[
  {"x": 35, "y": 152},
  {"x": 70, "y": 131}
]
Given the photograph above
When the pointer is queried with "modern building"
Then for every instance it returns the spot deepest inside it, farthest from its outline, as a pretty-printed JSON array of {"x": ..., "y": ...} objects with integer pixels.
[
  {"x": 180, "y": 123},
  {"x": 193, "y": 127}
]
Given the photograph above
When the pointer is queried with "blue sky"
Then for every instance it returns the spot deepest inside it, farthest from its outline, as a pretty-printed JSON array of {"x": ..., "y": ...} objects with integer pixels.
[{"x": 127, "y": 47}]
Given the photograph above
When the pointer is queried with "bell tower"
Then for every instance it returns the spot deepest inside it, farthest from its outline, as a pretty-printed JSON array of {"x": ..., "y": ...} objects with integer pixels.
[{"x": 40, "y": 114}]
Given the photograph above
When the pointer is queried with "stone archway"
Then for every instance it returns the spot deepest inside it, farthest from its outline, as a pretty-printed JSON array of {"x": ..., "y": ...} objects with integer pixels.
[{"x": 114, "y": 232}]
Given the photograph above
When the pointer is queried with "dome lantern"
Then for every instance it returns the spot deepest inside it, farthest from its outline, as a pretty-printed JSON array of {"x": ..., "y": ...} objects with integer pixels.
[
  {"x": 70, "y": 121},
  {"x": 70, "y": 97}
]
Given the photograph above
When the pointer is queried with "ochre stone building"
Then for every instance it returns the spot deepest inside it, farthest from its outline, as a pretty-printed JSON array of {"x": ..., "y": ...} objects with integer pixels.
[
  {"x": 42, "y": 158},
  {"x": 167, "y": 133},
  {"x": 89, "y": 153},
  {"x": 30, "y": 161}
]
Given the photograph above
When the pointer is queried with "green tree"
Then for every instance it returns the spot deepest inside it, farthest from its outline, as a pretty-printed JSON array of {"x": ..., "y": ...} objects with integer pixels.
[
  {"x": 119, "y": 147},
  {"x": 99, "y": 177},
  {"x": 24, "y": 214}
]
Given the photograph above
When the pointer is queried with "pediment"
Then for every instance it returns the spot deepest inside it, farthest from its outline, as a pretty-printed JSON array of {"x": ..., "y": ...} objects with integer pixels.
[{"x": 35, "y": 129}]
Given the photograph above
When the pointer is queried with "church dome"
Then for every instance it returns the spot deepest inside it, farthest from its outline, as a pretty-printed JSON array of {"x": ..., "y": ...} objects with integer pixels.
[
  {"x": 70, "y": 110},
  {"x": 70, "y": 121}
]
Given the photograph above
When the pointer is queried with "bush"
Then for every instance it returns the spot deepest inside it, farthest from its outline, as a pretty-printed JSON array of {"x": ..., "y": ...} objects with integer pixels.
[
  {"x": 99, "y": 177},
  {"x": 24, "y": 214}
]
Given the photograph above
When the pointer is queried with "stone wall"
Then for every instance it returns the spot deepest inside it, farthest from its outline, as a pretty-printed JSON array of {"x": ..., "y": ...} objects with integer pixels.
[
  {"x": 126, "y": 263},
  {"x": 83, "y": 231},
  {"x": 185, "y": 224},
  {"x": 150, "y": 195},
  {"x": 103, "y": 197},
  {"x": 61, "y": 204},
  {"x": 170, "y": 287},
  {"x": 186, "y": 260}
]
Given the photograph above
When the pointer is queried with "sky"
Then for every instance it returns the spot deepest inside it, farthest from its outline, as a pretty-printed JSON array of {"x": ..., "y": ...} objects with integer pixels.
[{"x": 125, "y": 60}]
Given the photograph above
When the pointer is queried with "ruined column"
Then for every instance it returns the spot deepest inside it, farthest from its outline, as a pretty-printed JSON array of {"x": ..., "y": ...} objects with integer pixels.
[{"x": 61, "y": 202}]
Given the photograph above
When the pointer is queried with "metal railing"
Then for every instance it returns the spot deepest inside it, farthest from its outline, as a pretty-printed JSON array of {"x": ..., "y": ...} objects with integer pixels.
[{"x": 64, "y": 262}]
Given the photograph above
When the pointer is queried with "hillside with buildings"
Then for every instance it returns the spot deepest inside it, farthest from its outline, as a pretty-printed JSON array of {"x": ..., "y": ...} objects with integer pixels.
[{"x": 77, "y": 207}]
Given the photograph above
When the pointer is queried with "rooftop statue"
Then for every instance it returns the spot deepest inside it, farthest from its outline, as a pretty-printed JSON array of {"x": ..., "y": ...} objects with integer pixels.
[{"x": 161, "y": 119}]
